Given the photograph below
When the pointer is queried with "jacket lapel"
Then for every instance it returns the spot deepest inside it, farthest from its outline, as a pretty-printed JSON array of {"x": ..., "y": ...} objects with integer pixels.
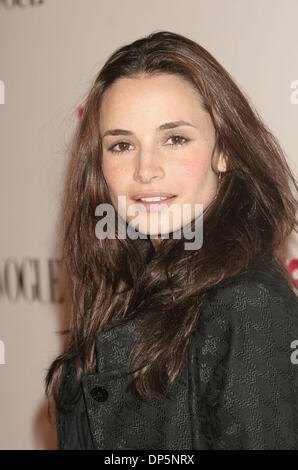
[{"x": 119, "y": 420}]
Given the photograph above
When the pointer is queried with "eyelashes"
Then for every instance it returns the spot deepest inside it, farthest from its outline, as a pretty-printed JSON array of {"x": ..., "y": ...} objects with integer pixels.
[{"x": 174, "y": 137}]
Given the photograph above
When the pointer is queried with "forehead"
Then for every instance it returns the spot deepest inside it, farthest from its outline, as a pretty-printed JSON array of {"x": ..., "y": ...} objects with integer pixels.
[{"x": 150, "y": 95}]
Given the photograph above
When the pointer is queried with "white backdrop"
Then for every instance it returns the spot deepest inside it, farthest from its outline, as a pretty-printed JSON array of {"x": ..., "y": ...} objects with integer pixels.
[{"x": 51, "y": 51}]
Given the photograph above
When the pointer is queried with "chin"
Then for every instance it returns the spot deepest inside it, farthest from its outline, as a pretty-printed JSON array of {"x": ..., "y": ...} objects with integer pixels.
[{"x": 156, "y": 230}]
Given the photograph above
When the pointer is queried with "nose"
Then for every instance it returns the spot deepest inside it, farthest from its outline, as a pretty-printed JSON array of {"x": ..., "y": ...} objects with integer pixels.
[{"x": 147, "y": 167}]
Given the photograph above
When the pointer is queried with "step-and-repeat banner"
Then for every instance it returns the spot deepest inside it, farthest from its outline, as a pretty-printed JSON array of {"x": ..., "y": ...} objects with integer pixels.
[{"x": 51, "y": 51}]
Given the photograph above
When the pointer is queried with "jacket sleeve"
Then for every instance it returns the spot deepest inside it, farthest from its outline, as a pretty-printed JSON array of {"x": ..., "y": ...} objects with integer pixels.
[
  {"x": 248, "y": 397},
  {"x": 73, "y": 432}
]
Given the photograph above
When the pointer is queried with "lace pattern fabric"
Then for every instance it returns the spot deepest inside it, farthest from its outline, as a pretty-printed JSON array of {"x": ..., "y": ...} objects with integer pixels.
[{"x": 238, "y": 389}]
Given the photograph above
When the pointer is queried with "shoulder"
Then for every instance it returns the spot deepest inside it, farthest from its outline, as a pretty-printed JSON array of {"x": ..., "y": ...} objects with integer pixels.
[
  {"x": 243, "y": 364},
  {"x": 246, "y": 316},
  {"x": 255, "y": 295}
]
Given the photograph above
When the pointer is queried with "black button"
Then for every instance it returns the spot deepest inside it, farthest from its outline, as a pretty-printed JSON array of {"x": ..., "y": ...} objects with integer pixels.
[{"x": 99, "y": 393}]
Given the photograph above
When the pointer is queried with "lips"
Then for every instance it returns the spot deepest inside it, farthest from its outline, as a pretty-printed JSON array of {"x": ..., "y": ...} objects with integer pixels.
[
  {"x": 154, "y": 206},
  {"x": 153, "y": 194}
]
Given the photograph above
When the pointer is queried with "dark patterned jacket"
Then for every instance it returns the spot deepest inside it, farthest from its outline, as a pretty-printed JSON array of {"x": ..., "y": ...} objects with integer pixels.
[{"x": 238, "y": 388}]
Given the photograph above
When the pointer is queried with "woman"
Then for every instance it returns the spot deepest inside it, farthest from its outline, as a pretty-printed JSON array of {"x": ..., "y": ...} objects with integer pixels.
[{"x": 176, "y": 346}]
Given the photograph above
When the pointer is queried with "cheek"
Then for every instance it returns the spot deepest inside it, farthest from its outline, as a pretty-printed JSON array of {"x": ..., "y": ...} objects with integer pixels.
[
  {"x": 194, "y": 168},
  {"x": 113, "y": 176}
]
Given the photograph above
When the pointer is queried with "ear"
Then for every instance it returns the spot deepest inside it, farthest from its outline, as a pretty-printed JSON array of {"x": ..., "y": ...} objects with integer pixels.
[{"x": 221, "y": 163}]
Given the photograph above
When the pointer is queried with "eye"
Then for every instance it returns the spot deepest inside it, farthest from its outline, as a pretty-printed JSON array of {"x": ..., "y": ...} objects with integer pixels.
[
  {"x": 112, "y": 148},
  {"x": 178, "y": 138}
]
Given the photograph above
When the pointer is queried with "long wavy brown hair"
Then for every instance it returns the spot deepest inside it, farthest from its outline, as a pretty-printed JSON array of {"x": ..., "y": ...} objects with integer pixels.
[{"x": 114, "y": 280}]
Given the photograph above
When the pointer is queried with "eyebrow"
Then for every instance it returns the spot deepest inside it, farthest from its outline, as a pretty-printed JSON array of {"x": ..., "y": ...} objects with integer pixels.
[{"x": 167, "y": 125}]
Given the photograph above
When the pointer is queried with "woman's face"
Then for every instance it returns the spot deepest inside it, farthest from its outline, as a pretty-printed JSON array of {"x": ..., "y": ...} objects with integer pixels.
[{"x": 146, "y": 150}]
